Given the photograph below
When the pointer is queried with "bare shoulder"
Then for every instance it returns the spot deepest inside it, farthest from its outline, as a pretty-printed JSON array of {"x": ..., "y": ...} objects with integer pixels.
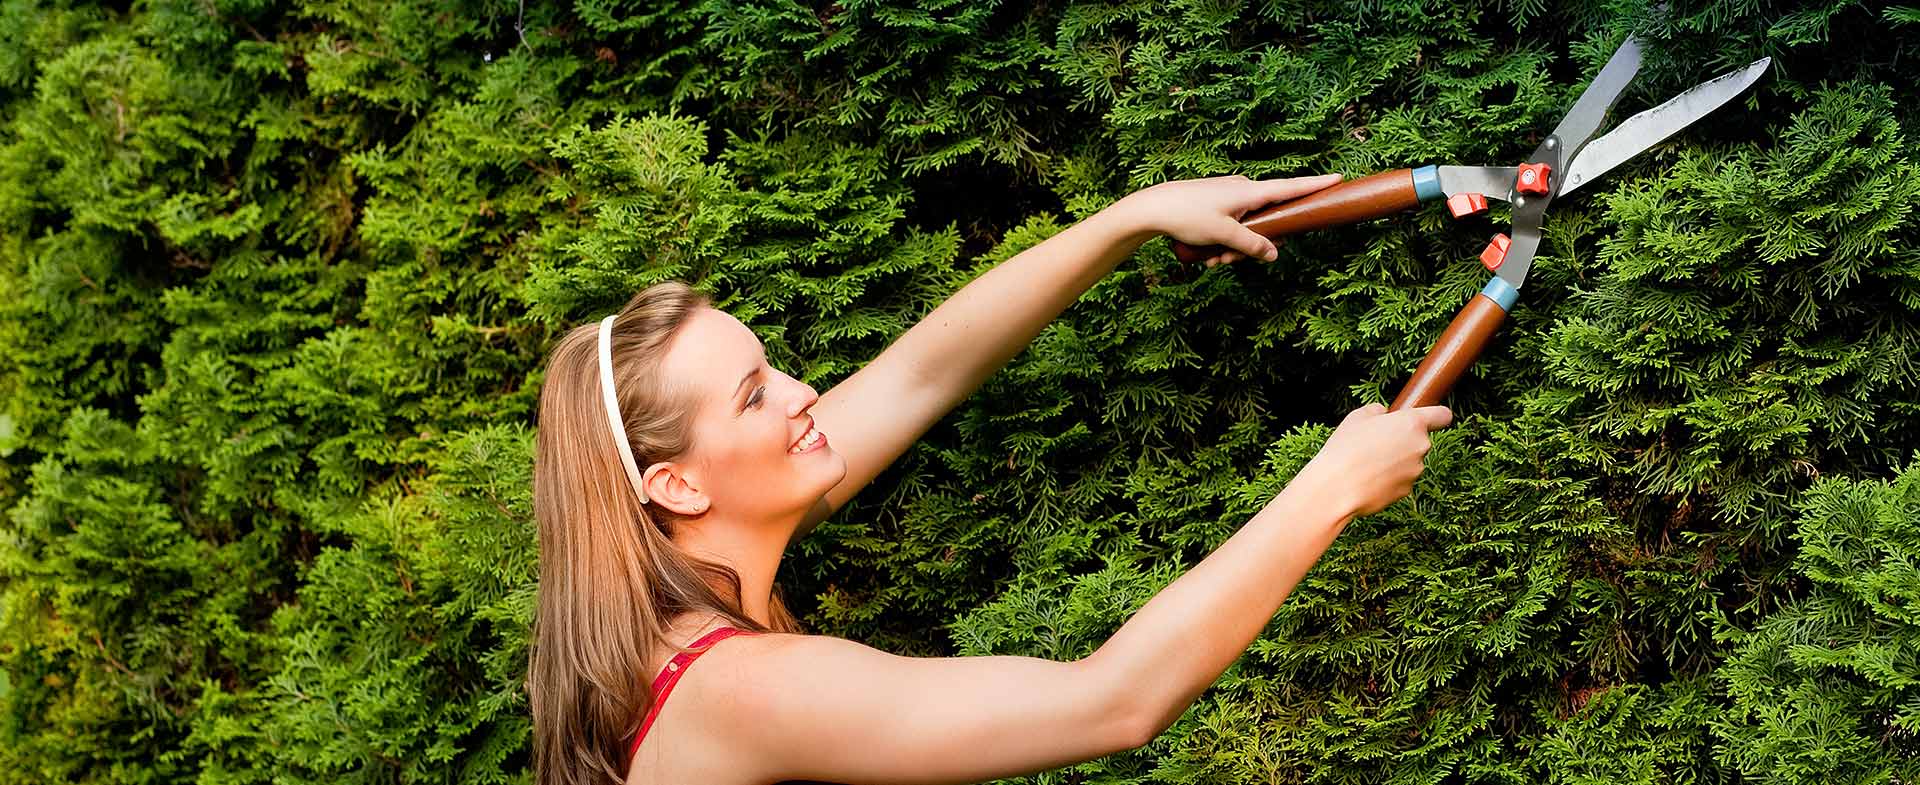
[
  {"x": 749, "y": 679},
  {"x": 733, "y": 692}
]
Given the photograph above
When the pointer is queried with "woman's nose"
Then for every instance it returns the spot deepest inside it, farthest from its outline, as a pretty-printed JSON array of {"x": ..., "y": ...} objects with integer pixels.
[{"x": 802, "y": 401}]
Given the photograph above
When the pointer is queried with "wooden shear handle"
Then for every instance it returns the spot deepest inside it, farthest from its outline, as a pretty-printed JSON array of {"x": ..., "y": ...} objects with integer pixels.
[
  {"x": 1353, "y": 201},
  {"x": 1456, "y": 350}
]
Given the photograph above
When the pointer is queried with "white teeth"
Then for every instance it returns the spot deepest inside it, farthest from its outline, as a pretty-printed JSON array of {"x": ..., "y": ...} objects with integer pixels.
[{"x": 812, "y": 438}]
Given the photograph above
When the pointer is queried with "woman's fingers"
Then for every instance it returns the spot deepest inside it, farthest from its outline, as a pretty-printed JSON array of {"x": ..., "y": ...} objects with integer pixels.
[
  {"x": 1260, "y": 193},
  {"x": 1271, "y": 191},
  {"x": 1241, "y": 242},
  {"x": 1249, "y": 243},
  {"x": 1234, "y": 256},
  {"x": 1252, "y": 243},
  {"x": 1223, "y": 258}
]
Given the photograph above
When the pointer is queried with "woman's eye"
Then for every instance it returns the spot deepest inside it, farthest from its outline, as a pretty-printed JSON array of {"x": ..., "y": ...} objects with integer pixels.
[{"x": 753, "y": 401}]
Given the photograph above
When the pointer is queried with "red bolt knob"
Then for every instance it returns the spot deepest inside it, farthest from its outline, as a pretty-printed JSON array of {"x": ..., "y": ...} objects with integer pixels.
[
  {"x": 1495, "y": 252},
  {"x": 1463, "y": 205},
  {"x": 1533, "y": 178}
]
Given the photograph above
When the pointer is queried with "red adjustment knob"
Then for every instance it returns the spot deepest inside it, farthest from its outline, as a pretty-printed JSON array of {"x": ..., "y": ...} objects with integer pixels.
[
  {"x": 1463, "y": 205},
  {"x": 1495, "y": 252},
  {"x": 1533, "y": 178}
]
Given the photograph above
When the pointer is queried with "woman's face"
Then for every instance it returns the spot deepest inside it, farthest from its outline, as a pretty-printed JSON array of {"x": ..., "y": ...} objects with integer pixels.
[{"x": 755, "y": 452}]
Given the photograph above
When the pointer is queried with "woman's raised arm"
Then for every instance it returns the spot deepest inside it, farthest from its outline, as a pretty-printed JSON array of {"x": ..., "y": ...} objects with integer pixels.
[{"x": 873, "y": 415}]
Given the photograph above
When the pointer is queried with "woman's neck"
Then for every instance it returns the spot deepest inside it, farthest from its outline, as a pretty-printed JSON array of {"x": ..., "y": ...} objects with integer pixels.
[{"x": 752, "y": 551}]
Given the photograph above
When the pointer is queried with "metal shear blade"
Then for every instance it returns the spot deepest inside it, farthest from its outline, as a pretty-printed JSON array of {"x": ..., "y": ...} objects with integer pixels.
[
  {"x": 1577, "y": 158},
  {"x": 1646, "y": 129}
]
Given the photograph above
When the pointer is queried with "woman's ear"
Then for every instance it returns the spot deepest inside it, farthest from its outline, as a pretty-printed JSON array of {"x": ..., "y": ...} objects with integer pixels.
[{"x": 668, "y": 485}]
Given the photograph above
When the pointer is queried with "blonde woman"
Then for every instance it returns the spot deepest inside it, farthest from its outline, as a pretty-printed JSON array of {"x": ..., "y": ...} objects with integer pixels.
[{"x": 674, "y": 465}]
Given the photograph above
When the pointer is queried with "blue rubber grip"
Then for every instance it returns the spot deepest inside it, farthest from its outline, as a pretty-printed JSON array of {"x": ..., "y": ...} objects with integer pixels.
[
  {"x": 1501, "y": 293},
  {"x": 1426, "y": 183}
]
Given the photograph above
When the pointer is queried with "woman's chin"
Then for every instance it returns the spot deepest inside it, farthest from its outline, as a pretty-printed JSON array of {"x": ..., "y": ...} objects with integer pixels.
[
  {"x": 838, "y": 470},
  {"x": 832, "y": 471},
  {"x": 817, "y": 477}
]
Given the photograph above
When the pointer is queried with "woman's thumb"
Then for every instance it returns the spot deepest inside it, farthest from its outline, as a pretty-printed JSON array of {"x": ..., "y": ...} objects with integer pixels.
[{"x": 1434, "y": 417}]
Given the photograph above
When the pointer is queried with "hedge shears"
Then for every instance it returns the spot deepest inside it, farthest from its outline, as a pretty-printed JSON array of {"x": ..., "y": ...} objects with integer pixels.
[{"x": 1566, "y": 160}]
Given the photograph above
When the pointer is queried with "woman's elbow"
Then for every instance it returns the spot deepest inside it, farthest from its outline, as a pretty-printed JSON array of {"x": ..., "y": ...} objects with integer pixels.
[{"x": 1123, "y": 717}]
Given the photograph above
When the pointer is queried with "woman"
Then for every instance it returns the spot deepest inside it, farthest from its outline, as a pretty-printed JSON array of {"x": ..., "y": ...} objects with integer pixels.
[{"x": 667, "y": 488}]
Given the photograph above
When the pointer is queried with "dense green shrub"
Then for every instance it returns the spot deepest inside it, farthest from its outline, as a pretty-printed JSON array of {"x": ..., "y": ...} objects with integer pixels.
[{"x": 280, "y": 278}]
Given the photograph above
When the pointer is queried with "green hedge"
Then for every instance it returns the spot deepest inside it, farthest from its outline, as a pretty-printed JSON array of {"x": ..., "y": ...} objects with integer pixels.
[{"x": 279, "y": 279}]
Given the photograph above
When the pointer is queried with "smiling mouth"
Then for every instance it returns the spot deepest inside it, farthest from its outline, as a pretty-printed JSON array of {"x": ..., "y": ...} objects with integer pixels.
[{"x": 807, "y": 441}]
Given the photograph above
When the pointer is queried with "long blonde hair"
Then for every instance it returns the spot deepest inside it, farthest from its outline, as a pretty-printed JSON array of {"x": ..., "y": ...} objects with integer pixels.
[{"x": 611, "y": 577}]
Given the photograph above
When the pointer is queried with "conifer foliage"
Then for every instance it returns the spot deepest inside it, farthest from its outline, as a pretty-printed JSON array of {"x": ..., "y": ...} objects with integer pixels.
[{"x": 280, "y": 276}]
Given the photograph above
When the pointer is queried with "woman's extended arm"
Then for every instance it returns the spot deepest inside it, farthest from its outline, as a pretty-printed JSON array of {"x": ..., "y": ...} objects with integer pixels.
[
  {"x": 873, "y": 415},
  {"x": 819, "y": 708}
]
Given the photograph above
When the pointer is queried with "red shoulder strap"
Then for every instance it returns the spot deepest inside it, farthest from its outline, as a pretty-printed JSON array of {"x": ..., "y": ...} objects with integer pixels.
[{"x": 670, "y": 675}]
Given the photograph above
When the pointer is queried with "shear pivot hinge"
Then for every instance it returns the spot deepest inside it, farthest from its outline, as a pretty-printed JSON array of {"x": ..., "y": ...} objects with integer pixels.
[{"x": 1532, "y": 179}]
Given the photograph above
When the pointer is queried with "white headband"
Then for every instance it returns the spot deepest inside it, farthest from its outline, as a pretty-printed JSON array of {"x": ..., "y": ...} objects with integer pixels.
[{"x": 613, "y": 406}]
